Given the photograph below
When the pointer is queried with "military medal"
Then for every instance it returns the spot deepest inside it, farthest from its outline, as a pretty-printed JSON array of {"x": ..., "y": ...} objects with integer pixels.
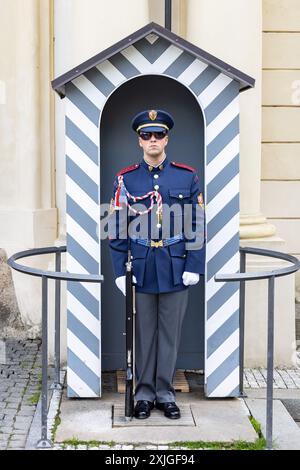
[
  {"x": 112, "y": 206},
  {"x": 120, "y": 196},
  {"x": 159, "y": 217},
  {"x": 159, "y": 208},
  {"x": 200, "y": 201}
]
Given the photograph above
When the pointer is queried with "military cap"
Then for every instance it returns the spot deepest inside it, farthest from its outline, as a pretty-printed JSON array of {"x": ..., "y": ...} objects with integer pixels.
[{"x": 152, "y": 120}]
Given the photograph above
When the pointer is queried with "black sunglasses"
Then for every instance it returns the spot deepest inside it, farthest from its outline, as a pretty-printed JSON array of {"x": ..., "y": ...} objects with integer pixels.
[{"x": 147, "y": 135}]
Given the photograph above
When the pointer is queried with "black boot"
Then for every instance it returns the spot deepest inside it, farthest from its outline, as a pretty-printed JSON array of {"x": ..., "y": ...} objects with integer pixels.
[
  {"x": 170, "y": 409},
  {"x": 143, "y": 408}
]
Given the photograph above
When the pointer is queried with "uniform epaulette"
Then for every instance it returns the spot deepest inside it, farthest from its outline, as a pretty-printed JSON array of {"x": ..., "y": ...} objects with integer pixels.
[
  {"x": 128, "y": 168},
  {"x": 183, "y": 165}
]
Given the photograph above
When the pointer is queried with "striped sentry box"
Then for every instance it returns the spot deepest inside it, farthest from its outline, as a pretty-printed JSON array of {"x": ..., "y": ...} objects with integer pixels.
[{"x": 157, "y": 52}]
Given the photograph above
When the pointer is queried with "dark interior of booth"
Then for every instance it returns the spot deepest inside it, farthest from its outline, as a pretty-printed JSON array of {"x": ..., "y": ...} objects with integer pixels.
[{"x": 118, "y": 149}]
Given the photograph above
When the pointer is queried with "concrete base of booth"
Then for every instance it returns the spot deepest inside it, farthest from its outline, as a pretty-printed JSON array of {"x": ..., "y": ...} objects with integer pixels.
[{"x": 208, "y": 420}]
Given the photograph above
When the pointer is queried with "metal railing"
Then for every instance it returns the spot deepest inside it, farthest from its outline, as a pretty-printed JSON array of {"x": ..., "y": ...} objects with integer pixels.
[
  {"x": 242, "y": 277},
  {"x": 59, "y": 276}
]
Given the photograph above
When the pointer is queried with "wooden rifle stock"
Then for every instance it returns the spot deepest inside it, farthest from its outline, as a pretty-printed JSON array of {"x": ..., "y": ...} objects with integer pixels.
[{"x": 130, "y": 310}]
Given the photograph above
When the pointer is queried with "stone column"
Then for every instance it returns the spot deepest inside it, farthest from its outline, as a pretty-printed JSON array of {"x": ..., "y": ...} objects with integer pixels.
[
  {"x": 27, "y": 213},
  {"x": 232, "y": 31}
]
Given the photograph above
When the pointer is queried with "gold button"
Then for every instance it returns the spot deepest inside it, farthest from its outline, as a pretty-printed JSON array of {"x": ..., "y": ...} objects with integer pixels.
[
  {"x": 156, "y": 176},
  {"x": 156, "y": 187}
]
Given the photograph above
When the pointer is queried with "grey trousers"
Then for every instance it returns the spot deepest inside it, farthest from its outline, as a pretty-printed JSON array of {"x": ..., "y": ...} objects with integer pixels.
[{"x": 159, "y": 320}]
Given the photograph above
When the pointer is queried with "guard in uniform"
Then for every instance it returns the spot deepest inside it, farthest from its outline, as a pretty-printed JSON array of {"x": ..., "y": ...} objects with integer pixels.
[{"x": 167, "y": 256}]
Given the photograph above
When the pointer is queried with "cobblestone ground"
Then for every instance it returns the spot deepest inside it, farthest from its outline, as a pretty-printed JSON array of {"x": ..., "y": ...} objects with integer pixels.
[
  {"x": 283, "y": 378},
  {"x": 20, "y": 376}
]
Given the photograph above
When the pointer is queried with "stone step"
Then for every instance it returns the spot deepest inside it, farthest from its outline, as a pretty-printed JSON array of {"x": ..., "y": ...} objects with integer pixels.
[{"x": 286, "y": 433}]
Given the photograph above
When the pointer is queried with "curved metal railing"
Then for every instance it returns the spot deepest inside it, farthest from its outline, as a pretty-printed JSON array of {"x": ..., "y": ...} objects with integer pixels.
[
  {"x": 242, "y": 277},
  {"x": 49, "y": 274},
  {"x": 59, "y": 276}
]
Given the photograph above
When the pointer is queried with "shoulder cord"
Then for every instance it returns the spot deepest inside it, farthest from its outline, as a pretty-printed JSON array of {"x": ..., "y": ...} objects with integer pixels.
[{"x": 122, "y": 194}]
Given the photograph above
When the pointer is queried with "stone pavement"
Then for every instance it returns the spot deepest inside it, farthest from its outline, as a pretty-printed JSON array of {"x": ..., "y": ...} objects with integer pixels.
[
  {"x": 20, "y": 376},
  {"x": 286, "y": 433}
]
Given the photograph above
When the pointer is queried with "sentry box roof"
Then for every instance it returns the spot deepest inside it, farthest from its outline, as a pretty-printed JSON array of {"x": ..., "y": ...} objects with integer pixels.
[{"x": 158, "y": 38}]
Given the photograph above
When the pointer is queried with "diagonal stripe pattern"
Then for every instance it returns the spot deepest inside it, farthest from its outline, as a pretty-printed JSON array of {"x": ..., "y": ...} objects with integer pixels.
[{"x": 218, "y": 96}]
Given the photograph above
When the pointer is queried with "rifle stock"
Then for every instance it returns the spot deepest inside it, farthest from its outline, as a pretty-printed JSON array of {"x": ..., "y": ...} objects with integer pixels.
[{"x": 130, "y": 310}]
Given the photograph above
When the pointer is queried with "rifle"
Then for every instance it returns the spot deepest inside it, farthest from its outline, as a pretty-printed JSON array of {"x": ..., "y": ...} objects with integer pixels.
[{"x": 130, "y": 331}]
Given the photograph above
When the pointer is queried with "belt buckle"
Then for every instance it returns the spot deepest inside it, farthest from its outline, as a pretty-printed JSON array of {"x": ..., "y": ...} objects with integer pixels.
[{"x": 156, "y": 244}]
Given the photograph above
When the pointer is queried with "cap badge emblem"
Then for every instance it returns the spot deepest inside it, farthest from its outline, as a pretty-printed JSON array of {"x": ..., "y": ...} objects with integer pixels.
[{"x": 152, "y": 115}]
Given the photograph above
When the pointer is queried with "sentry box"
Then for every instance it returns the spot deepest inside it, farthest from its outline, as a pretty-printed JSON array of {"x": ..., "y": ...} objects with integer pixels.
[{"x": 151, "y": 68}]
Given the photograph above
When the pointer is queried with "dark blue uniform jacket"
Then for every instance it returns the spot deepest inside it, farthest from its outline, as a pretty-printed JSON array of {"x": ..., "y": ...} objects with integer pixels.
[{"x": 160, "y": 270}]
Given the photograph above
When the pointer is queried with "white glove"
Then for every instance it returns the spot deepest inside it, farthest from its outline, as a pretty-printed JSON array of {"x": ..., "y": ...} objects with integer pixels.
[
  {"x": 190, "y": 279},
  {"x": 121, "y": 283}
]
